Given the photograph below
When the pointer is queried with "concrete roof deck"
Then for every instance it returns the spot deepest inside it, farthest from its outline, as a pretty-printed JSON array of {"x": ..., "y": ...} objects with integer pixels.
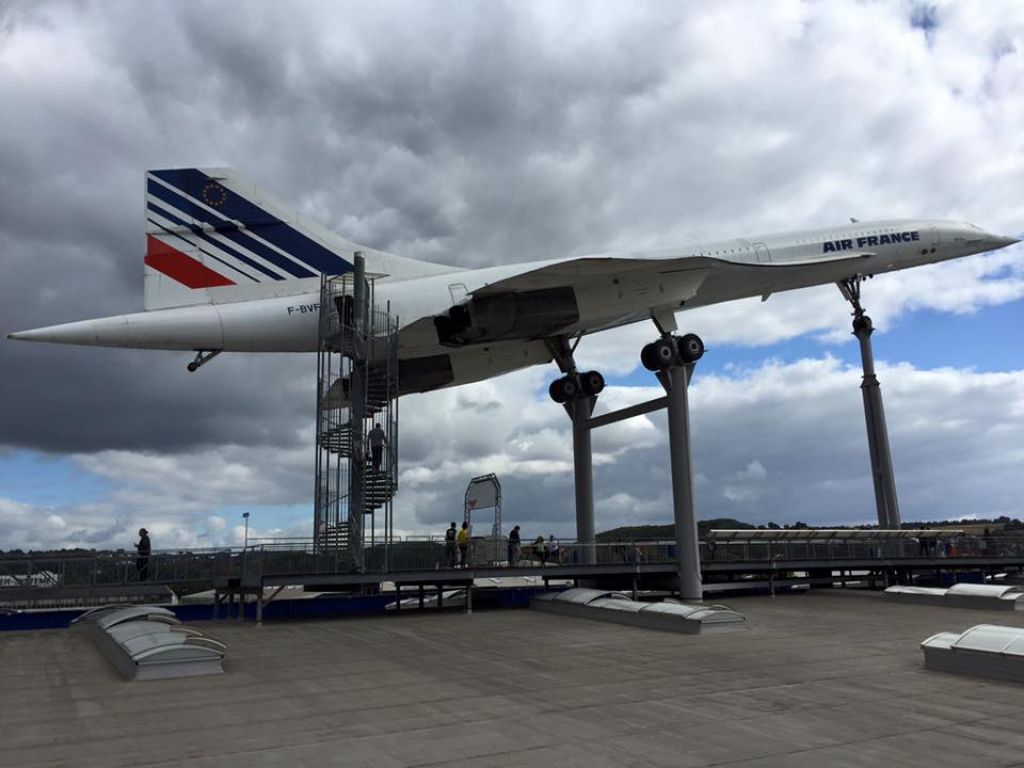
[{"x": 830, "y": 678}]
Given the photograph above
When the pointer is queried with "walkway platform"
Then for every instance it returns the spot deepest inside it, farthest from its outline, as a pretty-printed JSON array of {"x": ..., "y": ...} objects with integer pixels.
[
  {"x": 101, "y": 594},
  {"x": 719, "y": 576},
  {"x": 711, "y": 571}
]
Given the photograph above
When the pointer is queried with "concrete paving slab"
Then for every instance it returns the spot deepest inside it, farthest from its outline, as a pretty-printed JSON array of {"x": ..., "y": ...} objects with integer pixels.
[{"x": 821, "y": 679}]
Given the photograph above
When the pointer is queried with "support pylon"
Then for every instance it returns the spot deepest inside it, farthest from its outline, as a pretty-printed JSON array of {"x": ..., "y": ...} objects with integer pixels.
[
  {"x": 882, "y": 475},
  {"x": 676, "y": 380}
]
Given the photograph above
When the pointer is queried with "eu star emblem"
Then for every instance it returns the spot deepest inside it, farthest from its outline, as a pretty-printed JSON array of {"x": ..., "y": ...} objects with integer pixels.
[{"x": 214, "y": 194}]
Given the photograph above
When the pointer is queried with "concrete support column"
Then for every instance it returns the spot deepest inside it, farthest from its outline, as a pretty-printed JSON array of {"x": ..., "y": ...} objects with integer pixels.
[
  {"x": 687, "y": 542},
  {"x": 886, "y": 502},
  {"x": 583, "y": 461}
]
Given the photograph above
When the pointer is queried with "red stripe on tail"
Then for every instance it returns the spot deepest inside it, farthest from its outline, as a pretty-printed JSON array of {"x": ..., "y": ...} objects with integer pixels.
[{"x": 175, "y": 264}]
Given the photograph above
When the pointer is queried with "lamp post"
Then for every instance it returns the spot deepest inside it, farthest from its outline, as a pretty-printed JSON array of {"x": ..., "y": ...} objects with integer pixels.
[{"x": 245, "y": 544}]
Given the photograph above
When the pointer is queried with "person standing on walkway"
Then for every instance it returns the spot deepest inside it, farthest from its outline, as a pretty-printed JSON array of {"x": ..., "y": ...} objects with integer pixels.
[
  {"x": 449, "y": 546},
  {"x": 539, "y": 551},
  {"x": 553, "y": 550},
  {"x": 514, "y": 545},
  {"x": 143, "y": 548},
  {"x": 377, "y": 440},
  {"x": 463, "y": 539}
]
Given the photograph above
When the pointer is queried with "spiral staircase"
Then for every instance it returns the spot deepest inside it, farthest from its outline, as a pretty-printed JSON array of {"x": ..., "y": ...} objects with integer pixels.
[{"x": 357, "y": 375}]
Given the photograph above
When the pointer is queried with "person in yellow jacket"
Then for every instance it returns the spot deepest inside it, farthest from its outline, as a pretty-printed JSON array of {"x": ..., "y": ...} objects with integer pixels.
[{"x": 463, "y": 539}]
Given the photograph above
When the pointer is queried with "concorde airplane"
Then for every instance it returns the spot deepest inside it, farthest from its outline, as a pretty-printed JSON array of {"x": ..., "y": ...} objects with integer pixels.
[{"x": 228, "y": 270}]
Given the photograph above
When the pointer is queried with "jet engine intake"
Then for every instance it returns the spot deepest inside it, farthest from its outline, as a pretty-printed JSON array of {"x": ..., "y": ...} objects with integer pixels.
[{"x": 508, "y": 316}]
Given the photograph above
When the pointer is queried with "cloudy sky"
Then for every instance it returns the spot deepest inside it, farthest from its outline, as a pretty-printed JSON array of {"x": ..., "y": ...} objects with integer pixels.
[{"x": 491, "y": 133}]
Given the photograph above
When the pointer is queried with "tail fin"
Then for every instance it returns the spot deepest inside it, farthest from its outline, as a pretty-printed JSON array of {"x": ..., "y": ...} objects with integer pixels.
[{"x": 211, "y": 237}]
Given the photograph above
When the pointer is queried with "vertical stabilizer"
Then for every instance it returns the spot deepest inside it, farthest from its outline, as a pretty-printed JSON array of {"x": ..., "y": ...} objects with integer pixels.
[
  {"x": 211, "y": 237},
  {"x": 206, "y": 229}
]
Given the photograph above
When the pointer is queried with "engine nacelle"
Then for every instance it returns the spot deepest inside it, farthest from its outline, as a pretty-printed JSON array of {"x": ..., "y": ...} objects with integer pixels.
[{"x": 508, "y": 316}]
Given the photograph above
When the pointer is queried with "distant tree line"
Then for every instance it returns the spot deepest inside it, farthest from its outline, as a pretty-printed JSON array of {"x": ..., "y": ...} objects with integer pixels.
[
  {"x": 995, "y": 526},
  {"x": 75, "y": 552}
]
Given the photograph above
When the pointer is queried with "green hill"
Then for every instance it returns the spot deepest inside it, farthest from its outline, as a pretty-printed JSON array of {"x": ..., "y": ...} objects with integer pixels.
[
  {"x": 1000, "y": 526},
  {"x": 667, "y": 532}
]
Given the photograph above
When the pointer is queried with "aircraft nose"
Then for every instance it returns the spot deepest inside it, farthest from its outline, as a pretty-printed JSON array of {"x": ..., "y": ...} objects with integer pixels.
[{"x": 1000, "y": 241}]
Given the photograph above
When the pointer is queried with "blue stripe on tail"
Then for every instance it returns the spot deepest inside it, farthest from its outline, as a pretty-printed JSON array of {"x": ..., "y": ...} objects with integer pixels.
[
  {"x": 201, "y": 234},
  {"x": 226, "y": 228},
  {"x": 233, "y": 208}
]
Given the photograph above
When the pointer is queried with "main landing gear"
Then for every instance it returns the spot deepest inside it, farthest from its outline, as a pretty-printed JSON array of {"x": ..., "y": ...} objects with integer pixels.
[
  {"x": 659, "y": 355},
  {"x": 672, "y": 358},
  {"x": 672, "y": 350},
  {"x": 574, "y": 386}
]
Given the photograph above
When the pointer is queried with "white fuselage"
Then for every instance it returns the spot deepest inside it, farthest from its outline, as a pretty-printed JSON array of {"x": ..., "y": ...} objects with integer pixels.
[{"x": 634, "y": 286}]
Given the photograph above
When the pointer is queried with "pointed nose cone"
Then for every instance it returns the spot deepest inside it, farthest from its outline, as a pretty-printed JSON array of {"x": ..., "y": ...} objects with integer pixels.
[
  {"x": 83, "y": 332},
  {"x": 196, "y": 327},
  {"x": 992, "y": 241}
]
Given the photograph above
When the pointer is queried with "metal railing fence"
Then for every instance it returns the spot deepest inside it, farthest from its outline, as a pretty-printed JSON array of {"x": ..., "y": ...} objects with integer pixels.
[
  {"x": 281, "y": 557},
  {"x": 117, "y": 568}
]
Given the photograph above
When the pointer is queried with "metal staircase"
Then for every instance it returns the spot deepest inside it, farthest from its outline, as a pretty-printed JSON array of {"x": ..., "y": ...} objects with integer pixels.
[{"x": 357, "y": 388}]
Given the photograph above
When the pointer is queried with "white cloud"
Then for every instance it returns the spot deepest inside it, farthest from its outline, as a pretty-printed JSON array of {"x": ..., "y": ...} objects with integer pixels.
[
  {"x": 780, "y": 442},
  {"x": 746, "y": 485},
  {"x": 753, "y": 471},
  {"x": 496, "y": 133}
]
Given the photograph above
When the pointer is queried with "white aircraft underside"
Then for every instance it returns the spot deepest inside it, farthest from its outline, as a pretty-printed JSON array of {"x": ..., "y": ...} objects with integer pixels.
[{"x": 228, "y": 270}]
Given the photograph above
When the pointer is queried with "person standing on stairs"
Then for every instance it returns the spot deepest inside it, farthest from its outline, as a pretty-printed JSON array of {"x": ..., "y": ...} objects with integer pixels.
[{"x": 377, "y": 441}]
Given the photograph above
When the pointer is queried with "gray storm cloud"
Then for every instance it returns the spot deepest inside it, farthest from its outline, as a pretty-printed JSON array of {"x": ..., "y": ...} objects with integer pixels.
[{"x": 480, "y": 134}]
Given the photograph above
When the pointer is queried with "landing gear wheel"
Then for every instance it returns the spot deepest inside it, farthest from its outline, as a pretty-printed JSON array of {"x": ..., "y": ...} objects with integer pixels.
[
  {"x": 570, "y": 387},
  {"x": 592, "y": 383},
  {"x": 648, "y": 358},
  {"x": 663, "y": 353},
  {"x": 691, "y": 348},
  {"x": 555, "y": 391},
  {"x": 203, "y": 356},
  {"x": 564, "y": 389},
  {"x": 862, "y": 323}
]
